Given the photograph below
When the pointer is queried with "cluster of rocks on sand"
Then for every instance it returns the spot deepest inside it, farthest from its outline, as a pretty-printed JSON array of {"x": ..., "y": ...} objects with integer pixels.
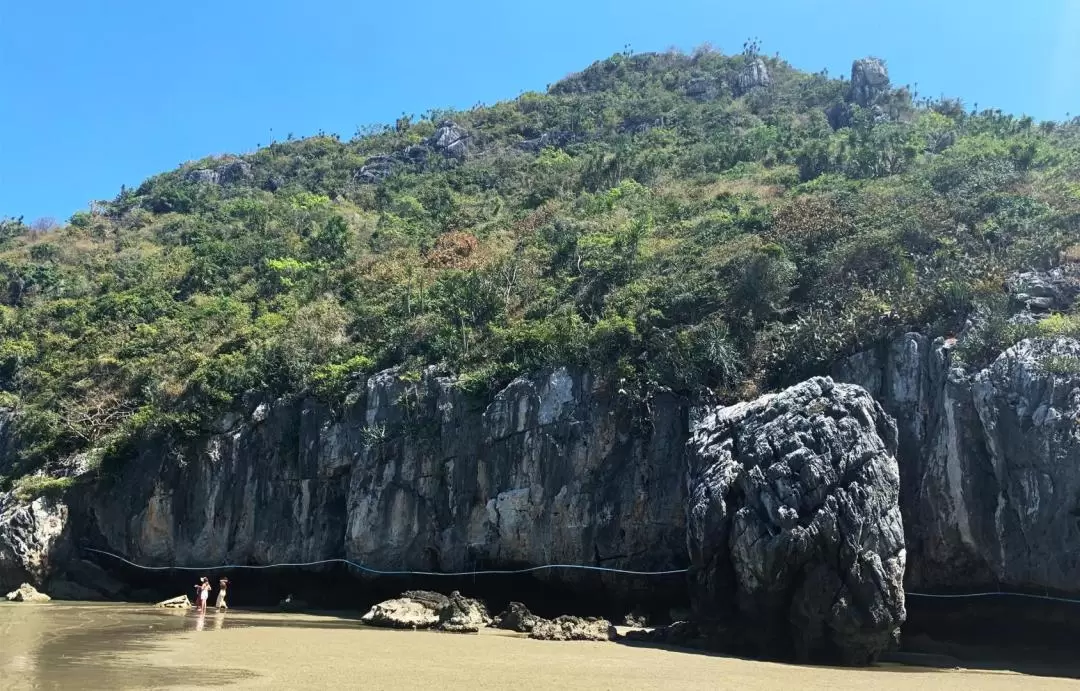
[
  {"x": 423, "y": 609},
  {"x": 27, "y": 593}
]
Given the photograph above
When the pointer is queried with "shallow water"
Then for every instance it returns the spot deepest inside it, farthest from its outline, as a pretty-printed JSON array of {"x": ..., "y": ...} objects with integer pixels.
[{"x": 96, "y": 646}]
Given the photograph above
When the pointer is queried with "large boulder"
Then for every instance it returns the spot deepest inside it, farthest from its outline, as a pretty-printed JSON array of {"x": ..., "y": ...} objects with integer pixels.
[
  {"x": 517, "y": 617},
  {"x": 869, "y": 79},
  {"x": 27, "y": 593},
  {"x": 461, "y": 614},
  {"x": 29, "y": 532},
  {"x": 794, "y": 523},
  {"x": 424, "y": 609},
  {"x": 568, "y": 628},
  {"x": 404, "y": 613}
]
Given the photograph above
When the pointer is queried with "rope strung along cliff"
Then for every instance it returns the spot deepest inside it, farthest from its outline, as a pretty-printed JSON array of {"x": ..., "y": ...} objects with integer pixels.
[
  {"x": 531, "y": 569},
  {"x": 381, "y": 572}
]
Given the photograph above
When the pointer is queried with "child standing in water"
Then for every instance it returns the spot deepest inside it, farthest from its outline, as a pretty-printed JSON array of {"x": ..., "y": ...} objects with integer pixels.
[
  {"x": 223, "y": 584},
  {"x": 203, "y": 592}
]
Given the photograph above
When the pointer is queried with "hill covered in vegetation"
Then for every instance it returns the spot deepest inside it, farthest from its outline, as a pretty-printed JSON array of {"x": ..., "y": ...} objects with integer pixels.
[{"x": 691, "y": 221}]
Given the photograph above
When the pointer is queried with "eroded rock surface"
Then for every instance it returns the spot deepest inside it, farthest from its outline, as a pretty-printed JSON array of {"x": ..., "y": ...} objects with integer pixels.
[
  {"x": 178, "y": 602},
  {"x": 461, "y": 614},
  {"x": 569, "y": 628},
  {"x": 869, "y": 79},
  {"x": 794, "y": 522},
  {"x": 557, "y": 468},
  {"x": 990, "y": 461},
  {"x": 406, "y": 612},
  {"x": 28, "y": 534},
  {"x": 27, "y": 593},
  {"x": 517, "y": 617}
]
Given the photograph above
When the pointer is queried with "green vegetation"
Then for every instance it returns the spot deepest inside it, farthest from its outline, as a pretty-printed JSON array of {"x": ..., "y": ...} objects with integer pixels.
[{"x": 630, "y": 219}]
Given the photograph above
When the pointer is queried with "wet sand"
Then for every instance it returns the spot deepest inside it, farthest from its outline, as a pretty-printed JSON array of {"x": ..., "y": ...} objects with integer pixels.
[{"x": 90, "y": 646}]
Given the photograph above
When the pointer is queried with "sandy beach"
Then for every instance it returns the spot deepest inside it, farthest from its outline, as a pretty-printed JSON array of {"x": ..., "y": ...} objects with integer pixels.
[{"x": 62, "y": 645}]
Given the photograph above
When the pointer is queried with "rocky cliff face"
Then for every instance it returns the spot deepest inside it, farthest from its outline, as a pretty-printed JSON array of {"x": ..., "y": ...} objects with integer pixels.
[
  {"x": 989, "y": 461},
  {"x": 794, "y": 523},
  {"x": 415, "y": 475}
]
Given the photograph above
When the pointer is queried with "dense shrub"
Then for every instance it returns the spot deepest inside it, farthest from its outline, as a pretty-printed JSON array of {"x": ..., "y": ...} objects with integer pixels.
[{"x": 639, "y": 218}]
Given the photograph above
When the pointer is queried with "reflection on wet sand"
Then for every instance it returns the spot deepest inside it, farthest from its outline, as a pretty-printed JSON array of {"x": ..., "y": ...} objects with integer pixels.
[{"x": 61, "y": 645}]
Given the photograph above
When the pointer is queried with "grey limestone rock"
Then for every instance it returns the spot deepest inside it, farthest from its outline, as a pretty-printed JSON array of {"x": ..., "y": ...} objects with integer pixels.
[
  {"x": 29, "y": 532},
  {"x": 461, "y": 614},
  {"x": 450, "y": 139},
  {"x": 755, "y": 74},
  {"x": 568, "y": 628},
  {"x": 869, "y": 79},
  {"x": 517, "y": 617},
  {"x": 794, "y": 523}
]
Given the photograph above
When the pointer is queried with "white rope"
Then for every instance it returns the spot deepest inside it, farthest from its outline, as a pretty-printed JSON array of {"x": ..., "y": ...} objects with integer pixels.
[{"x": 381, "y": 572}]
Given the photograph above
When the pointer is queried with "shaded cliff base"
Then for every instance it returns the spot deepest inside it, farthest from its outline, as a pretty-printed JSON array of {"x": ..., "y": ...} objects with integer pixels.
[
  {"x": 340, "y": 589},
  {"x": 1006, "y": 633},
  {"x": 1011, "y": 633}
]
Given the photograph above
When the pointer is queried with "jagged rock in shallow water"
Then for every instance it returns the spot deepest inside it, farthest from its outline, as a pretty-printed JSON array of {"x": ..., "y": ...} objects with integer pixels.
[
  {"x": 28, "y": 535},
  {"x": 517, "y": 617},
  {"x": 869, "y": 79},
  {"x": 461, "y": 614},
  {"x": 178, "y": 602},
  {"x": 794, "y": 523},
  {"x": 568, "y": 628},
  {"x": 27, "y": 593}
]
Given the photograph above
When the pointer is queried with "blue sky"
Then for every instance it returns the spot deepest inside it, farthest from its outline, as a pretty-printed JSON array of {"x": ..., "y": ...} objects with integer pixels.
[{"x": 99, "y": 94}]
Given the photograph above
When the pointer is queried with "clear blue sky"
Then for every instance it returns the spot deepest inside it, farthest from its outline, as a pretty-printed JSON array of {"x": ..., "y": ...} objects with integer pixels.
[{"x": 99, "y": 94}]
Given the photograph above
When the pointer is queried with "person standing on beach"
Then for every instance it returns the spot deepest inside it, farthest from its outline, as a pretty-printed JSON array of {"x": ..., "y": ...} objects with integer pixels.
[
  {"x": 203, "y": 591},
  {"x": 223, "y": 584}
]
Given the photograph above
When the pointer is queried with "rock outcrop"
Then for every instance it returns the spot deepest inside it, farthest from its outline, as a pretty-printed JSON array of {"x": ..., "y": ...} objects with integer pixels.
[
  {"x": 794, "y": 523},
  {"x": 450, "y": 139},
  {"x": 461, "y": 614},
  {"x": 424, "y": 609},
  {"x": 28, "y": 534},
  {"x": 227, "y": 173},
  {"x": 869, "y": 79},
  {"x": 990, "y": 461},
  {"x": 405, "y": 613},
  {"x": 517, "y": 617},
  {"x": 754, "y": 75},
  {"x": 27, "y": 593},
  {"x": 1041, "y": 292},
  {"x": 178, "y": 602},
  {"x": 568, "y": 628}
]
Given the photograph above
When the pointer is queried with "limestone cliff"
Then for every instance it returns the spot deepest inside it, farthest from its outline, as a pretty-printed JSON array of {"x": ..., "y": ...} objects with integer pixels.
[
  {"x": 414, "y": 475},
  {"x": 989, "y": 461}
]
